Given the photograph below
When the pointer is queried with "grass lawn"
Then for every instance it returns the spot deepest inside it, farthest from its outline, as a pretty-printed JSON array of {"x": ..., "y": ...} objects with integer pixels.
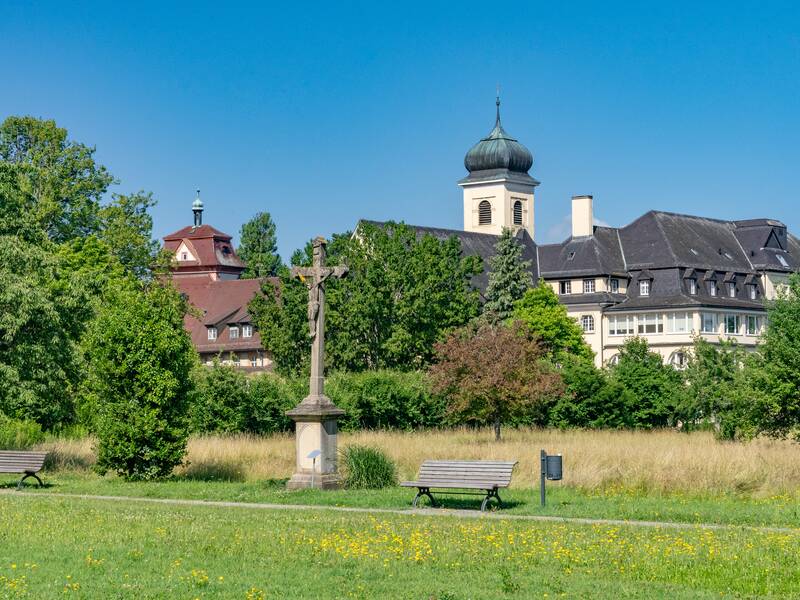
[
  {"x": 563, "y": 501},
  {"x": 54, "y": 547}
]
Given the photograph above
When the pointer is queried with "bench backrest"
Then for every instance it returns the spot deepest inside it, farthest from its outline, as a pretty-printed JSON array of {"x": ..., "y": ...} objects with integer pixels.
[
  {"x": 12, "y": 461},
  {"x": 477, "y": 472}
]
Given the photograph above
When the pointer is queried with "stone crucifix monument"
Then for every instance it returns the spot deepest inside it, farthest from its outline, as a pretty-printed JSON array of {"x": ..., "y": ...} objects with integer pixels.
[{"x": 316, "y": 415}]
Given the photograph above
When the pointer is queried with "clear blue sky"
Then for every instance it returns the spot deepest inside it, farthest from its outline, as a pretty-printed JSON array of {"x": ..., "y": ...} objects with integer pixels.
[{"x": 326, "y": 113}]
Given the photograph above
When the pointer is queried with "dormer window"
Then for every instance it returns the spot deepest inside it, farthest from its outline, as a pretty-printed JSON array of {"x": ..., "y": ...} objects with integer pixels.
[
  {"x": 712, "y": 288},
  {"x": 644, "y": 287},
  {"x": 247, "y": 331},
  {"x": 614, "y": 286},
  {"x": 212, "y": 333},
  {"x": 753, "y": 292},
  {"x": 588, "y": 286},
  {"x": 782, "y": 260},
  {"x": 233, "y": 332},
  {"x": 692, "y": 286},
  {"x": 732, "y": 290},
  {"x": 226, "y": 250},
  {"x": 484, "y": 213}
]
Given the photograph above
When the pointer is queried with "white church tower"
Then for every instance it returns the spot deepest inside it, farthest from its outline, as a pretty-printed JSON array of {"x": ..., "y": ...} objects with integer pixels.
[{"x": 498, "y": 192}]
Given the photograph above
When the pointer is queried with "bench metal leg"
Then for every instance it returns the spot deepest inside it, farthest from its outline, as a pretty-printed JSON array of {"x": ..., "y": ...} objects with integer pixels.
[
  {"x": 489, "y": 495},
  {"x": 423, "y": 492},
  {"x": 29, "y": 474}
]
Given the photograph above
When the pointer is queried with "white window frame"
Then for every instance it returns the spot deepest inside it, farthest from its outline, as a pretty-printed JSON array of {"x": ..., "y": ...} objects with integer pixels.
[
  {"x": 565, "y": 287},
  {"x": 731, "y": 290},
  {"x": 614, "y": 285},
  {"x": 647, "y": 320},
  {"x": 233, "y": 332},
  {"x": 212, "y": 333},
  {"x": 753, "y": 291},
  {"x": 693, "y": 287},
  {"x": 628, "y": 325},
  {"x": 756, "y": 321},
  {"x": 712, "y": 288},
  {"x": 737, "y": 320},
  {"x": 678, "y": 360},
  {"x": 714, "y": 320},
  {"x": 247, "y": 331},
  {"x": 588, "y": 286},
  {"x": 644, "y": 287},
  {"x": 674, "y": 318},
  {"x": 587, "y": 323},
  {"x": 184, "y": 256}
]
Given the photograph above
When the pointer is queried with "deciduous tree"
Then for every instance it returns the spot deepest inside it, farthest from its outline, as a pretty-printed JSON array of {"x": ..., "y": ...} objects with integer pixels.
[
  {"x": 258, "y": 247},
  {"x": 491, "y": 373}
]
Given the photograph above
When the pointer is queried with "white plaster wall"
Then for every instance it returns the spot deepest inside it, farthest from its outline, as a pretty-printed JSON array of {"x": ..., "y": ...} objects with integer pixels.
[{"x": 502, "y": 195}]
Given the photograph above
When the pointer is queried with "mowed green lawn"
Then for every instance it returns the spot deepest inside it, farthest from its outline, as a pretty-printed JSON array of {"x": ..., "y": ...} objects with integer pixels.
[{"x": 58, "y": 547}]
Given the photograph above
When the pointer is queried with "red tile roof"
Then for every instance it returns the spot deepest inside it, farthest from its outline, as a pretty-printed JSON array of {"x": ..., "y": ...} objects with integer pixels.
[{"x": 211, "y": 248}]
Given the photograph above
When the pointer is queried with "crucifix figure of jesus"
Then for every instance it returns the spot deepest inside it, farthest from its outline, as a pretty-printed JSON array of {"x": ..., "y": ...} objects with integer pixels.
[
  {"x": 315, "y": 417},
  {"x": 314, "y": 278}
]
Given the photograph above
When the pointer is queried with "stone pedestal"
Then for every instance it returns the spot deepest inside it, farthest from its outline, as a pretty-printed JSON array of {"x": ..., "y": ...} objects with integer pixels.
[{"x": 316, "y": 429}]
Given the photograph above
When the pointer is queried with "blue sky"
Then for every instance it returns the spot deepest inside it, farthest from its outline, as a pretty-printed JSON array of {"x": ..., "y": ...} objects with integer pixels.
[{"x": 326, "y": 113}]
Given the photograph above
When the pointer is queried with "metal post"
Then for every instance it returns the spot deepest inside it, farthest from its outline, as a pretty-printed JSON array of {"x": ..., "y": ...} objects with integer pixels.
[{"x": 544, "y": 471}]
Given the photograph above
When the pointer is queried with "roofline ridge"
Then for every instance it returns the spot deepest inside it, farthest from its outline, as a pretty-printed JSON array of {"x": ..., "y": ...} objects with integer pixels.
[{"x": 666, "y": 239}]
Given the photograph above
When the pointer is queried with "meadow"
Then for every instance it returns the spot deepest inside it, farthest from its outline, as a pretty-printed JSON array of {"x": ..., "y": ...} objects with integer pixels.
[{"x": 57, "y": 547}]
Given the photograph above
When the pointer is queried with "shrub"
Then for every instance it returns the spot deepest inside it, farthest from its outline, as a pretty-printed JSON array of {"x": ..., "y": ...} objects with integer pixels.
[
  {"x": 364, "y": 467},
  {"x": 140, "y": 361},
  {"x": 385, "y": 400},
  {"x": 19, "y": 435},
  {"x": 221, "y": 401},
  {"x": 269, "y": 397}
]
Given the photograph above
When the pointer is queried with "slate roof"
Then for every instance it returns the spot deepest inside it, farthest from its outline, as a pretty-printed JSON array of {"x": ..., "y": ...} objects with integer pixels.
[
  {"x": 598, "y": 254},
  {"x": 478, "y": 244}
]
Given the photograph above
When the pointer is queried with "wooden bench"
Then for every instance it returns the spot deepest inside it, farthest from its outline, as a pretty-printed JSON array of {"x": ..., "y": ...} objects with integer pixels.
[
  {"x": 28, "y": 463},
  {"x": 485, "y": 475}
]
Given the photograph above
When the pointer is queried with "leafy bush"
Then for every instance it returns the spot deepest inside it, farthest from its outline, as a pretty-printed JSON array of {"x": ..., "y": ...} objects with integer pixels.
[
  {"x": 19, "y": 435},
  {"x": 140, "y": 362},
  {"x": 364, "y": 468},
  {"x": 222, "y": 402},
  {"x": 385, "y": 400},
  {"x": 270, "y": 396}
]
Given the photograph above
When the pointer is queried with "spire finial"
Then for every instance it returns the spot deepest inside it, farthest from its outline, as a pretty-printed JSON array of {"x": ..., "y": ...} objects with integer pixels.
[
  {"x": 497, "y": 103},
  {"x": 197, "y": 209}
]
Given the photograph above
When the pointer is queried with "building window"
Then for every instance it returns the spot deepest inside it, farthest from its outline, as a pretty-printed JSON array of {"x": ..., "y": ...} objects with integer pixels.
[
  {"x": 233, "y": 332},
  {"x": 587, "y": 323},
  {"x": 732, "y": 323},
  {"x": 732, "y": 290},
  {"x": 614, "y": 286},
  {"x": 782, "y": 260},
  {"x": 679, "y": 322},
  {"x": 620, "y": 325},
  {"x": 692, "y": 286},
  {"x": 614, "y": 360},
  {"x": 712, "y": 288},
  {"x": 484, "y": 213},
  {"x": 650, "y": 323},
  {"x": 184, "y": 256},
  {"x": 679, "y": 359},
  {"x": 588, "y": 286},
  {"x": 753, "y": 292},
  {"x": 644, "y": 287},
  {"x": 212, "y": 333},
  {"x": 247, "y": 331},
  {"x": 753, "y": 325},
  {"x": 708, "y": 322},
  {"x": 564, "y": 287},
  {"x": 517, "y": 212}
]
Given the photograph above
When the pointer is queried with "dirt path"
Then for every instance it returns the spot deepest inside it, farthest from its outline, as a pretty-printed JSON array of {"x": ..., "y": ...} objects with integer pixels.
[{"x": 427, "y": 512}]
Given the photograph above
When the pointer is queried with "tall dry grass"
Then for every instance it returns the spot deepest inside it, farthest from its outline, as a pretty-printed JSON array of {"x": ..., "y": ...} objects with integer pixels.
[{"x": 661, "y": 461}]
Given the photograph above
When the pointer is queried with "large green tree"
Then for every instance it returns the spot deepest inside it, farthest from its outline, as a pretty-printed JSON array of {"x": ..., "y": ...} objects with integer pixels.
[
  {"x": 126, "y": 227},
  {"x": 258, "y": 247},
  {"x": 655, "y": 388},
  {"x": 402, "y": 293},
  {"x": 140, "y": 359},
  {"x": 62, "y": 183},
  {"x": 540, "y": 310},
  {"x": 509, "y": 276},
  {"x": 772, "y": 393}
]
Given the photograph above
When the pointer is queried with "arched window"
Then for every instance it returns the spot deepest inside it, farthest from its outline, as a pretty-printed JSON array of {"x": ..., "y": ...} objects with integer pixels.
[
  {"x": 678, "y": 359},
  {"x": 518, "y": 212},
  {"x": 484, "y": 213},
  {"x": 613, "y": 360}
]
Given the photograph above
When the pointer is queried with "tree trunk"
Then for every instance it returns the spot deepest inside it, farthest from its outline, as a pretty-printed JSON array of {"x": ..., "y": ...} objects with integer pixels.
[{"x": 497, "y": 428}]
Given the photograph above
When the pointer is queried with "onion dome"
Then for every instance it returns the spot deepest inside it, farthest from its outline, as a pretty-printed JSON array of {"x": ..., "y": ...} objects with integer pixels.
[
  {"x": 197, "y": 204},
  {"x": 498, "y": 151}
]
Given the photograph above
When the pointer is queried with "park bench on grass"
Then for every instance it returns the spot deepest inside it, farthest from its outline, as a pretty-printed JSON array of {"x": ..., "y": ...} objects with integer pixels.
[
  {"x": 488, "y": 476},
  {"x": 28, "y": 463}
]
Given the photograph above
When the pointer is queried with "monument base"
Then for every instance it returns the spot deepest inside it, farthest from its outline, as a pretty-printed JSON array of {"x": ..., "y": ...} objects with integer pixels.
[{"x": 304, "y": 480}]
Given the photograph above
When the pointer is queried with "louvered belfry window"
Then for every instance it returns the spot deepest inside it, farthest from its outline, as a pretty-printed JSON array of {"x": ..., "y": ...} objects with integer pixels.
[
  {"x": 518, "y": 212},
  {"x": 484, "y": 213}
]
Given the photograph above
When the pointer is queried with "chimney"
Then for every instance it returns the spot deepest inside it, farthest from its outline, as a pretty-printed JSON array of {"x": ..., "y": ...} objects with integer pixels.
[{"x": 582, "y": 216}]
